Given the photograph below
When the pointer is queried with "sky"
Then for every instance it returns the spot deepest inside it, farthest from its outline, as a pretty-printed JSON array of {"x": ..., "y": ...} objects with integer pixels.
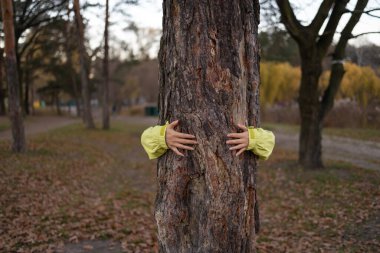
[{"x": 148, "y": 14}]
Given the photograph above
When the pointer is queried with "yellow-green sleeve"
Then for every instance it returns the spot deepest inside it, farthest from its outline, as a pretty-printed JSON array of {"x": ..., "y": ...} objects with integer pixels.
[
  {"x": 261, "y": 142},
  {"x": 153, "y": 141}
]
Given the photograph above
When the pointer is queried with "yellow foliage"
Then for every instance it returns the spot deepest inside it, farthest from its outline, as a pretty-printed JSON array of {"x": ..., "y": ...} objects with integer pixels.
[{"x": 280, "y": 83}]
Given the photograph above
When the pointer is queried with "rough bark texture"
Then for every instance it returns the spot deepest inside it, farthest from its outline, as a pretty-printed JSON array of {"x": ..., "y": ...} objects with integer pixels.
[
  {"x": 209, "y": 80},
  {"x": 105, "y": 104},
  {"x": 313, "y": 48},
  {"x": 86, "y": 97},
  {"x": 14, "y": 105},
  {"x": 2, "y": 86}
]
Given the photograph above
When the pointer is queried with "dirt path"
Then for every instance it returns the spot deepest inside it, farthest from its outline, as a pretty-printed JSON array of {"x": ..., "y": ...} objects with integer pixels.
[
  {"x": 40, "y": 124},
  {"x": 365, "y": 154}
]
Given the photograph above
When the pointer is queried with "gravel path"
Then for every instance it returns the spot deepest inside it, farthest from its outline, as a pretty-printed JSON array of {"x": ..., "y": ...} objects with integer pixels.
[
  {"x": 39, "y": 124},
  {"x": 364, "y": 154}
]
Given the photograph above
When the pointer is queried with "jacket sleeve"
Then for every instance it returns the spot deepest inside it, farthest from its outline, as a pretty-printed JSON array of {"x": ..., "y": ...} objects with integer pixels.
[
  {"x": 261, "y": 142},
  {"x": 153, "y": 141}
]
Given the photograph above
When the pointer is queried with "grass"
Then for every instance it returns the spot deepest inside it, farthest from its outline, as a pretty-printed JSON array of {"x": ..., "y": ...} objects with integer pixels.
[
  {"x": 4, "y": 124},
  {"x": 75, "y": 184},
  {"x": 366, "y": 134}
]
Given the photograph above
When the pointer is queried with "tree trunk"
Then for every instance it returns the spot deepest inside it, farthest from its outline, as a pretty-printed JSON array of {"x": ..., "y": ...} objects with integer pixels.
[
  {"x": 69, "y": 63},
  {"x": 27, "y": 85},
  {"x": 310, "y": 142},
  {"x": 209, "y": 80},
  {"x": 15, "y": 112},
  {"x": 106, "y": 113},
  {"x": 87, "y": 114},
  {"x": 57, "y": 103},
  {"x": 2, "y": 86}
]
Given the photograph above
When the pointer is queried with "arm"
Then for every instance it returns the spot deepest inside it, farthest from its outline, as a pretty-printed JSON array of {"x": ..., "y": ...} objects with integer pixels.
[
  {"x": 153, "y": 141},
  {"x": 158, "y": 139},
  {"x": 261, "y": 142}
]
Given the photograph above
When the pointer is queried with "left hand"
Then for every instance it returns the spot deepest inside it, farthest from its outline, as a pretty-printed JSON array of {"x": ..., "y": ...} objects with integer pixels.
[{"x": 240, "y": 141}]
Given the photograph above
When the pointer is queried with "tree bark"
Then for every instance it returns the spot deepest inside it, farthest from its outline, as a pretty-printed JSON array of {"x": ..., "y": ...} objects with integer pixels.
[
  {"x": 27, "y": 85},
  {"x": 69, "y": 63},
  {"x": 15, "y": 112},
  {"x": 313, "y": 47},
  {"x": 209, "y": 80},
  {"x": 86, "y": 96},
  {"x": 105, "y": 104},
  {"x": 310, "y": 142},
  {"x": 2, "y": 86}
]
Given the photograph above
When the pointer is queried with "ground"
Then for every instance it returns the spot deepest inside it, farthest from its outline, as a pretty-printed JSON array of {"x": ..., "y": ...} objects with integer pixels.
[{"x": 93, "y": 191}]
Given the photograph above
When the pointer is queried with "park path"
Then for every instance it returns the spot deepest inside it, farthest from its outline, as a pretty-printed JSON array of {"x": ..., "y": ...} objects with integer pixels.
[
  {"x": 365, "y": 154},
  {"x": 39, "y": 124},
  {"x": 360, "y": 153}
]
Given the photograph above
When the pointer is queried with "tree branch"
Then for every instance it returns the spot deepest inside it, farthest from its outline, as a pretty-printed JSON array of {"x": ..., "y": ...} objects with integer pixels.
[
  {"x": 290, "y": 21},
  {"x": 321, "y": 15},
  {"x": 328, "y": 34},
  {"x": 361, "y": 34},
  {"x": 368, "y": 12},
  {"x": 337, "y": 70}
]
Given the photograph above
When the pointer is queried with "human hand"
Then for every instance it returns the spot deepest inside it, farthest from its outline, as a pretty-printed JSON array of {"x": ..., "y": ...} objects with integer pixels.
[
  {"x": 240, "y": 141},
  {"x": 175, "y": 140}
]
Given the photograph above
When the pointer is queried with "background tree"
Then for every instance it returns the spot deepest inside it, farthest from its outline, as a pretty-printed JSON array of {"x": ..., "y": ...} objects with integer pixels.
[
  {"x": 30, "y": 18},
  {"x": 86, "y": 96},
  {"x": 2, "y": 86},
  {"x": 15, "y": 114},
  {"x": 277, "y": 45},
  {"x": 209, "y": 81},
  {"x": 105, "y": 102},
  {"x": 70, "y": 47},
  {"x": 313, "y": 47}
]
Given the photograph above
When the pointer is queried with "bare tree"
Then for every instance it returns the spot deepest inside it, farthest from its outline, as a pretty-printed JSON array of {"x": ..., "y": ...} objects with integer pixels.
[
  {"x": 209, "y": 81},
  {"x": 86, "y": 96},
  {"x": 15, "y": 113},
  {"x": 313, "y": 47},
  {"x": 69, "y": 61},
  {"x": 106, "y": 113},
  {"x": 2, "y": 86}
]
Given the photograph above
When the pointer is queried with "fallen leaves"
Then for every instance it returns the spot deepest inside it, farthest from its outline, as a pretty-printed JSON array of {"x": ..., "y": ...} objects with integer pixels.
[{"x": 89, "y": 189}]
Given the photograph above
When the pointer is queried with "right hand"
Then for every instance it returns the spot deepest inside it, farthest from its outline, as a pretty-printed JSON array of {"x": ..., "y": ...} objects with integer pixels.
[{"x": 175, "y": 140}]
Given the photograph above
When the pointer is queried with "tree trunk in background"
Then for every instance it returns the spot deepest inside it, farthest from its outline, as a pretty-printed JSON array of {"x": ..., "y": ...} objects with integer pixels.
[
  {"x": 106, "y": 113},
  {"x": 27, "y": 86},
  {"x": 2, "y": 86},
  {"x": 209, "y": 80},
  {"x": 310, "y": 142},
  {"x": 15, "y": 112},
  {"x": 313, "y": 43},
  {"x": 87, "y": 114},
  {"x": 69, "y": 63}
]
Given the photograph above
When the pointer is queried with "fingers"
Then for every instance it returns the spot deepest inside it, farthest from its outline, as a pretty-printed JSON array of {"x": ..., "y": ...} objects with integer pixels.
[
  {"x": 185, "y": 136},
  {"x": 240, "y": 146},
  {"x": 173, "y": 124},
  {"x": 184, "y": 147},
  {"x": 240, "y": 141},
  {"x": 187, "y": 141},
  {"x": 175, "y": 150},
  {"x": 242, "y": 127},
  {"x": 235, "y": 141},
  {"x": 240, "y": 151},
  {"x": 235, "y": 135}
]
